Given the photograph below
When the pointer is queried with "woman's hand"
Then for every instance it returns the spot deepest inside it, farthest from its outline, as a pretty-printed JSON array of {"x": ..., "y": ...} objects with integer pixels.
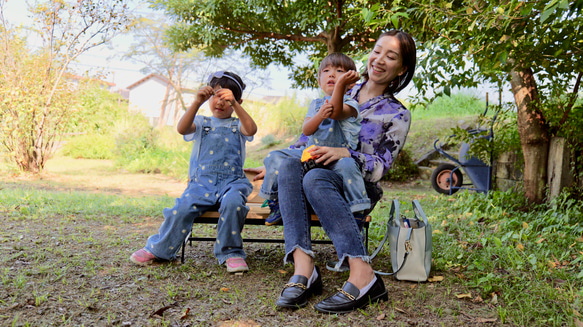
[
  {"x": 260, "y": 171},
  {"x": 327, "y": 155}
]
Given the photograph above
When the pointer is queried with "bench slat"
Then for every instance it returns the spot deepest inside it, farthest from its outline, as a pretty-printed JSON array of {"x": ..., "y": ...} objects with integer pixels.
[{"x": 255, "y": 216}]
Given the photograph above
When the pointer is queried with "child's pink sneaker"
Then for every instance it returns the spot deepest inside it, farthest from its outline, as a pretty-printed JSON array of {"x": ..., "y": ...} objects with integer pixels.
[
  {"x": 142, "y": 257},
  {"x": 236, "y": 265}
]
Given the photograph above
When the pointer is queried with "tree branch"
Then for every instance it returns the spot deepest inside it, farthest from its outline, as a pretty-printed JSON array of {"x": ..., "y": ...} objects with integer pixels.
[
  {"x": 573, "y": 97},
  {"x": 277, "y": 36}
]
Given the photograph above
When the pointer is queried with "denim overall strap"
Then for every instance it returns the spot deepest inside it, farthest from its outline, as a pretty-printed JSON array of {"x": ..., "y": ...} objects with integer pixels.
[{"x": 329, "y": 133}]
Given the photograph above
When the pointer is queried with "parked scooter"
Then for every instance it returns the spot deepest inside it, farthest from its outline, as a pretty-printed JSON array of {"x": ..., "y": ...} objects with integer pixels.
[{"x": 447, "y": 178}]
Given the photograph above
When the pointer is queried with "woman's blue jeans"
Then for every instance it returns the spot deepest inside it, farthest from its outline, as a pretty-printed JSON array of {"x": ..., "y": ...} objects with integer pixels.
[{"x": 321, "y": 189}]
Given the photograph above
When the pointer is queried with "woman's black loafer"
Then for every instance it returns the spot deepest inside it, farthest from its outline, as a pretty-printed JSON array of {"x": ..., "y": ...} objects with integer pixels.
[
  {"x": 345, "y": 300},
  {"x": 296, "y": 294}
]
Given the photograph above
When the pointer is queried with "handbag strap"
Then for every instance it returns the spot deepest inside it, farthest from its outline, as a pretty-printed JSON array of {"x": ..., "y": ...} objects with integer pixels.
[
  {"x": 395, "y": 213},
  {"x": 407, "y": 249},
  {"x": 394, "y": 210}
]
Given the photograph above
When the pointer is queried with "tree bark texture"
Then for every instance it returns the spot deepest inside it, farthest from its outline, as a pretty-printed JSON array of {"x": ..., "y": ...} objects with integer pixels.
[{"x": 533, "y": 133}]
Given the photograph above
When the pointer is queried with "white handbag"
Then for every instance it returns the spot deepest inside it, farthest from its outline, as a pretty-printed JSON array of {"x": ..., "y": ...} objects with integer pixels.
[{"x": 409, "y": 244}]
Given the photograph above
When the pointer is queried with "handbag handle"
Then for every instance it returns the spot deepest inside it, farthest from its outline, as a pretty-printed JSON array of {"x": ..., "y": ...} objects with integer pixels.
[
  {"x": 394, "y": 212},
  {"x": 419, "y": 213}
]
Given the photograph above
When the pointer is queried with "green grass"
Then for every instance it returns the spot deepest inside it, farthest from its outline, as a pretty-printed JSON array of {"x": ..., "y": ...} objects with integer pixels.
[
  {"x": 454, "y": 106},
  {"x": 524, "y": 262},
  {"x": 19, "y": 203}
]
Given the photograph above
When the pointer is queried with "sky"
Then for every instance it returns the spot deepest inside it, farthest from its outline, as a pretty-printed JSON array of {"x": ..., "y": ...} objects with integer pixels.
[{"x": 106, "y": 60}]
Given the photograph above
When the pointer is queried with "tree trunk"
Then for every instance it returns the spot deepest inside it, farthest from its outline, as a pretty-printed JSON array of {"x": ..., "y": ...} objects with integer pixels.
[
  {"x": 162, "y": 120},
  {"x": 533, "y": 133}
]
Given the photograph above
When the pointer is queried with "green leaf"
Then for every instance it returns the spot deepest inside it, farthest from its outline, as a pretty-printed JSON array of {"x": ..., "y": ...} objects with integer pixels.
[
  {"x": 395, "y": 21},
  {"x": 503, "y": 57},
  {"x": 548, "y": 11},
  {"x": 447, "y": 90}
]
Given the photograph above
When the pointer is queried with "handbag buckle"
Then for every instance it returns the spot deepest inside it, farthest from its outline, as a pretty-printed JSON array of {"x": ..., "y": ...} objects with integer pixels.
[{"x": 408, "y": 246}]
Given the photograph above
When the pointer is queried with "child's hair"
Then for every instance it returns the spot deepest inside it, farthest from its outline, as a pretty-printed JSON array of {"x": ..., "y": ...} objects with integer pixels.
[
  {"x": 229, "y": 81},
  {"x": 337, "y": 59}
]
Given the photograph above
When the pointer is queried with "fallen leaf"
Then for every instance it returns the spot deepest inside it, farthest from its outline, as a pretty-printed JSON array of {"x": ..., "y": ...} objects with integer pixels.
[
  {"x": 551, "y": 264},
  {"x": 224, "y": 289},
  {"x": 413, "y": 286},
  {"x": 576, "y": 313},
  {"x": 494, "y": 298},
  {"x": 478, "y": 299},
  {"x": 400, "y": 310},
  {"x": 435, "y": 279},
  {"x": 436, "y": 231},
  {"x": 283, "y": 272},
  {"x": 381, "y": 316},
  {"x": 464, "y": 295},
  {"x": 160, "y": 312},
  {"x": 485, "y": 320},
  {"x": 185, "y": 314},
  {"x": 227, "y": 301},
  {"x": 540, "y": 240},
  {"x": 524, "y": 225},
  {"x": 579, "y": 239},
  {"x": 578, "y": 322},
  {"x": 520, "y": 247}
]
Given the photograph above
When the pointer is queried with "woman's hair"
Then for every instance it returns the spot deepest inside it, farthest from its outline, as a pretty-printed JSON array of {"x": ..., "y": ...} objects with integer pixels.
[
  {"x": 337, "y": 59},
  {"x": 408, "y": 57},
  {"x": 232, "y": 82}
]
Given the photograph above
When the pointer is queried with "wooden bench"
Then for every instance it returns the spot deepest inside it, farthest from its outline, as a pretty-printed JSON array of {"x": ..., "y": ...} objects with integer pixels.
[{"x": 256, "y": 216}]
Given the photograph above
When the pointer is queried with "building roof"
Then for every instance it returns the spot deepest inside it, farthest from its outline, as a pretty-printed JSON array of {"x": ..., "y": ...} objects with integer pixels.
[{"x": 158, "y": 77}]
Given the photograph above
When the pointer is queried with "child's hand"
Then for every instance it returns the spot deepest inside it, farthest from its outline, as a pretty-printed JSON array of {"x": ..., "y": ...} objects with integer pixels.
[
  {"x": 326, "y": 110},
  {"x": 225, "y": 95},
  {"x": 204, "y": 93},
  {"x": 350, "y": 77}
]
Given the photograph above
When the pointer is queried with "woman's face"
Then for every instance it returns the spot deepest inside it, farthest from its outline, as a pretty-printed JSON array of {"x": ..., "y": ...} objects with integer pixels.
[{"x": 385, "y": 62}]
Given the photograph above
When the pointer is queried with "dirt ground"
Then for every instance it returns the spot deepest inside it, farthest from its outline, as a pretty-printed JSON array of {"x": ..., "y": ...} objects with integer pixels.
[{"x": 74, "y": 271}]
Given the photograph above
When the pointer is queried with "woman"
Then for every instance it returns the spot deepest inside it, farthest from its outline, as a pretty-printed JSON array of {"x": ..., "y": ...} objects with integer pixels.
[{"x": 385, "y": 125}]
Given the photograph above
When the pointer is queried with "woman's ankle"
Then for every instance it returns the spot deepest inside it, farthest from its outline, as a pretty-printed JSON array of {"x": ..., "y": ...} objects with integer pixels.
[
  {"x": 303, "y": 264},
  {"x": 361, "y": 273}
]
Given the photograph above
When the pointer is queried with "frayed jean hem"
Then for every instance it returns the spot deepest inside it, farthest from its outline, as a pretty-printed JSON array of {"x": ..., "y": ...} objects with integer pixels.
[
  {"x": 268, "y": 195},
  {"x": 358, "y": 206},
  {"x": 288, "y": 258},
  {"x": 345, "y": 257}
]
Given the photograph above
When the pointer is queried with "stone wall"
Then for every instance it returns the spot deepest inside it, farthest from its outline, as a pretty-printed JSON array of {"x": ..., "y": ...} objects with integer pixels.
[{"x": 508, "y": 171}]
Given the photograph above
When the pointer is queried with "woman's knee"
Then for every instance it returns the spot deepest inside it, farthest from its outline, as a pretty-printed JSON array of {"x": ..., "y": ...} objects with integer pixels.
[
  {"x": 321, "y": 180},
  {"x": 346, "y": 164}
]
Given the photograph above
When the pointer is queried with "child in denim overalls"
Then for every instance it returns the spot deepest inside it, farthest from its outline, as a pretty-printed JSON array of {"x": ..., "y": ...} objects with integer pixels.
[
  {"x": 216, "y": 176},
  {"x": 332, "y": 121}
]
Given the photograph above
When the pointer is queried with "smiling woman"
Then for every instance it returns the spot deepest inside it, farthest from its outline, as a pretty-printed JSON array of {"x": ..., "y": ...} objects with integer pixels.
[{"x": 385, "y": 125}]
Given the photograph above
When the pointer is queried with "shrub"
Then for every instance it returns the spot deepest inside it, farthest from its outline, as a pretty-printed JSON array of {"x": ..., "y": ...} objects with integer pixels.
[
  {"x": 90, "y": 146},
  {"x": 403, "y": 168}
]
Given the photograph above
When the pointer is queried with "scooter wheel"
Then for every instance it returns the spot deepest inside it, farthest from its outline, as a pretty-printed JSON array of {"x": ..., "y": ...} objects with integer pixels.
[{"x": 442, "y": 179}]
